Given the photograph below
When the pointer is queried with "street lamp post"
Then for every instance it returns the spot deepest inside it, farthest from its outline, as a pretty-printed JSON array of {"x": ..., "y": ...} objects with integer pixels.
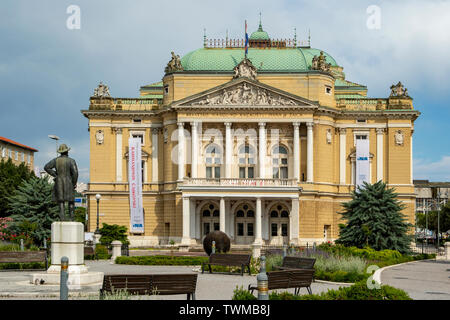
[
  {"x": 98, "y": 197},
  {"x": 56, "y": 138}
]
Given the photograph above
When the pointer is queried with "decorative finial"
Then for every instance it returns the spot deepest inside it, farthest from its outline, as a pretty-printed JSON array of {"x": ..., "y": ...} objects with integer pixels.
[
  {"x": 295, "y": 37},
  {"x": 204, "y": 38},
  {"x": 309, "y": 38},
  {"x": 260, "y": 23}
]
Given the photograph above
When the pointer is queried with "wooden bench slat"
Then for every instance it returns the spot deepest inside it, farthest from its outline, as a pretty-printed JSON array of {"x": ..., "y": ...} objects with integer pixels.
[{"x": 24, "y": 257}]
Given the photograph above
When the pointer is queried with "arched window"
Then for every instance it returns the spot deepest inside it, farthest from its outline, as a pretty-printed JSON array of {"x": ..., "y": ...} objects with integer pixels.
[
  {"x": 280, "y": 162},
  {"x": 247, "y": 162},
  {"x": 213, "y": 160}
]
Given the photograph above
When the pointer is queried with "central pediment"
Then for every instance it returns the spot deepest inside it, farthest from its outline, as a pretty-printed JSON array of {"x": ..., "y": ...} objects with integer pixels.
[{"x": 243, "y": 92}]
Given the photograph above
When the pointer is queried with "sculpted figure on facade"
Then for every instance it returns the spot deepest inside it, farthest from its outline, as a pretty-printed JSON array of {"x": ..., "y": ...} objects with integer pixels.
[
  {"x": 174, "y": 64},
  {"x": 101, "y": 91},
  {"x": 398, "y": 90},
  {"x": 245, "y": 69},
  {"x": 320, "y": 63}
]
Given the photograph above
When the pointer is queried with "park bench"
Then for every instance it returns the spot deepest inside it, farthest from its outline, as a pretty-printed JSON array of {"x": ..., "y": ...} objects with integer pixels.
[
  {"x": 24, "y": 257},
  {"x": 225, "y": 259},
  {"x": 296, "y": 263},
  {"x": 285, "y": 279},
  {"x": 150, "y": 284}
]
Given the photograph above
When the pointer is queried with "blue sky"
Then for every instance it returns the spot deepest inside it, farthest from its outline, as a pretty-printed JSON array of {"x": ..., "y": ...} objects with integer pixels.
[{"x": 48, "y": 72}]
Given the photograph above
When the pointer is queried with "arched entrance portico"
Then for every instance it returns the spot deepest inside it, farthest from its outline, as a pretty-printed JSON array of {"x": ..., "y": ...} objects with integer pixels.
[
  {"x": 279, "y": 224},
  {"x": 244, "y": 223}
]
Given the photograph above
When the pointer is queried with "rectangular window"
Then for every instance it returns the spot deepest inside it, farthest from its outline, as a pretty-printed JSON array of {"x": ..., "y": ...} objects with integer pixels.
[
  {"x": 17, "y": 155},
  {"x": 208, "y": 172},
  {"x": 274, "y": 230},
  {"x": 205, "y": 228},
  {"x": 251, "y": 173},
  {"x": 284, "y": 230},
  {"x": 240, "y": 229},
  {"x": 4, "y": 152},
  {"x": 29, "y": 158},
  {"x": 217, "y": 172},
  {"x": 284, "y": 173},
  {"x": 216, "y": 226},
  {"x": 23, "y": 156},
  {"x": 250, "y": 229},
  {"x": 140, "y": 136},
  {"x": 242, "y": 172}
]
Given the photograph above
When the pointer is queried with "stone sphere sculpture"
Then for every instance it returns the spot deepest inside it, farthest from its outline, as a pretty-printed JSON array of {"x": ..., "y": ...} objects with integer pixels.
[{"x": 221, "y": 239}]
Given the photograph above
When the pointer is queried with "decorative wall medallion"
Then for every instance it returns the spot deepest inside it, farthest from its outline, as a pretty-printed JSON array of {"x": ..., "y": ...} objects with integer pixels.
[
  {"x": 329, "y": 137},
  {"x": 398, "y": 138},
  {"x": 99, "y": 136},
  {"x": 166, "y": 135}
]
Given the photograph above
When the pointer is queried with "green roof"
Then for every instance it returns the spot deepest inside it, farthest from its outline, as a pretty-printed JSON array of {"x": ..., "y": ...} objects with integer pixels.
[
  {"x": 268, "y": 59},
  {"x": 260, "y": 34}
]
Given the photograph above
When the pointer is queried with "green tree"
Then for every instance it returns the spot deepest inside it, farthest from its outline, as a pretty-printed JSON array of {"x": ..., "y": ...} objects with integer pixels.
[
  {"x": 444, "y": 219},
  {"x": 11, "y": 176},
  {"x": 32, "y": 209},
  {"x": 111, "y": 232},
  {"x": 374, "y": 218}
]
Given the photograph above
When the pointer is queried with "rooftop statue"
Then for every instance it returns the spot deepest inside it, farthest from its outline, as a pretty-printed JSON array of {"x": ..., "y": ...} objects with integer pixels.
[
  {"x": 320, "y": 63},
  {"x": 102, "y": 91},
  {"x": 65, "y": 172},
  {"x": 174, "y": 64},
  {"x": 398, "y": 90},
  {"x": 245, "y": 69}
]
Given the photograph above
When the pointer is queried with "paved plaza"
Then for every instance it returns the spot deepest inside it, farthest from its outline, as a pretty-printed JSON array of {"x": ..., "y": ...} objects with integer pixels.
[
  {"x": 422, "y": 280},
  {"x": 216, "y": 286}
]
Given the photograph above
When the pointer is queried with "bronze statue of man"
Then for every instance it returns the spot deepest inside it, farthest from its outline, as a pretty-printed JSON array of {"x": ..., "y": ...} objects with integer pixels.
[{"x": 65, "y": 172}]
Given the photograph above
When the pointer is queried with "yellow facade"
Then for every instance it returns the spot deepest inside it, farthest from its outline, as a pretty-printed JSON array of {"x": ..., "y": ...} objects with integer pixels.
[
  {"x": 314, "y": 119},
  {"x": 17, "y": 152}
]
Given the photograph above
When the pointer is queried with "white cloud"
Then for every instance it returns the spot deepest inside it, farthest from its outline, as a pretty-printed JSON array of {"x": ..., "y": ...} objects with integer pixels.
[{"x": 438, "y": 171}]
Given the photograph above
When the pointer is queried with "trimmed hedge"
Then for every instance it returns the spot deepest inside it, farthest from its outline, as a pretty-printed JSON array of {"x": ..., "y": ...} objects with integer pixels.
[
  {"x": 162, "y": 260},
  {"x": 358, "y": 291}
]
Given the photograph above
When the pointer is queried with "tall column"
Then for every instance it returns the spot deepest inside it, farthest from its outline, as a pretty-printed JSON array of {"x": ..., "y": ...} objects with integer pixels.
[
  {"x": 296, "y": 150},
  {"x": 342, "y": 155},
  {"x": 258, "y": 225},
  {"x": 155, "y": 132},
  {"x": 294, "y": 222},
  {"x": 262, "y": 149},
  {"x": 380, "y": 156},
  {"x": 119, "y": 156},
  {"x": 186, "y": 220},
  {"x": 194, "y": 149},
  {"x": 228, "y": 149},
  {"x": 411, "y": 158},
  {"x": 310, "y": 150},
  {"x": 222, "y": 215},
  {"x": 181, "y": 169}
]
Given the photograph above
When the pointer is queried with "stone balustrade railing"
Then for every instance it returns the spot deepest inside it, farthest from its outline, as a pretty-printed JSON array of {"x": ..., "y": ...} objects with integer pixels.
[{"x": 240, "y": 182}]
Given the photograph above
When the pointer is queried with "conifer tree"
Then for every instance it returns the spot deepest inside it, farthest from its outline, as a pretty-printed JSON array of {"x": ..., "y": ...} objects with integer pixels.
[
  {"x": 32, "y": 209},
  {"x": 11, "y": 176},
  {"x": 374, "y": 218}
]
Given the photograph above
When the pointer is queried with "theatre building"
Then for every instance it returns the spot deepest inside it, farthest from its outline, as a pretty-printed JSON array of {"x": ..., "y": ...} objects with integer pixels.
[{"x": 262, "y": 146}]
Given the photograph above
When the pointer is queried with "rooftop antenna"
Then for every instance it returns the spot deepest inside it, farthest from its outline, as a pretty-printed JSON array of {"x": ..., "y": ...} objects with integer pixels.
[{"x": 204, "y": 38}]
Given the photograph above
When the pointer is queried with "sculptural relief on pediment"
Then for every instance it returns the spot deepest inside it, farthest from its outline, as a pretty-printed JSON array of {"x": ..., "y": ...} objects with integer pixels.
[{"x": 244, "y": 94}]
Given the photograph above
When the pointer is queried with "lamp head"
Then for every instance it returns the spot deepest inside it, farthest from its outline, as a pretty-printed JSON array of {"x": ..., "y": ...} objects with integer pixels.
[{"x": 98, "y": 196}]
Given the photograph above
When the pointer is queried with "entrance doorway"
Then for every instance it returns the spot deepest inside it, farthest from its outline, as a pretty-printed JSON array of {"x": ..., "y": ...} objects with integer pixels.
[
  {"x": 279, "y": 225},
  {"x": 245, "y": 224},
  {"x": 210, "y": 218}
]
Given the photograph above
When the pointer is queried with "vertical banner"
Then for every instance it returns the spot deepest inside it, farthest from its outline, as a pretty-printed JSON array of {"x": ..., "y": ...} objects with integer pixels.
[
  {"x": 135, "y": 185},
  {"x": 362, "y": 161}
]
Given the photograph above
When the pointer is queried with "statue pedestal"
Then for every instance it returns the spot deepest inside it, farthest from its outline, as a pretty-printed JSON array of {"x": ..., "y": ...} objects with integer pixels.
[{"x": 68, "y": 240}]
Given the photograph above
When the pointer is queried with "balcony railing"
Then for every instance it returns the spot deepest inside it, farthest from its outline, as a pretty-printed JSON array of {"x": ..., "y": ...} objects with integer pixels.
[{"x": 240, "y": 182}]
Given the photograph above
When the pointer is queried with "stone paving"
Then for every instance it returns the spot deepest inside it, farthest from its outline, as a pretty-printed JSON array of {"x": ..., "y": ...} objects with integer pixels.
[
  {"x": 216, "y": 286},
  {"x": 422, "y": 280}
]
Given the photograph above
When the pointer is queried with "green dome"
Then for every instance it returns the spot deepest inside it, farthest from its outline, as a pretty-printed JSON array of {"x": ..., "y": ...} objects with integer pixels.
[
  {"x": 260, "y": 34},
  {"x": 268, "y": 59}
]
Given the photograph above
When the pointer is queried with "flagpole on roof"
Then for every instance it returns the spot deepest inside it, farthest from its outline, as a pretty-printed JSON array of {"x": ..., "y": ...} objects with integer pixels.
[{"x": 246, "y": 40}]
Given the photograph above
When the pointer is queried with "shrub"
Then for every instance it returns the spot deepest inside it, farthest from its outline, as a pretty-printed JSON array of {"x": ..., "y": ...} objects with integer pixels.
[
  {"x": 358, "y": 291},
  {"x": 162, "y": 260},
  {"x": 242, "y": 294},
  {"x": 102, "y": 252}
]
